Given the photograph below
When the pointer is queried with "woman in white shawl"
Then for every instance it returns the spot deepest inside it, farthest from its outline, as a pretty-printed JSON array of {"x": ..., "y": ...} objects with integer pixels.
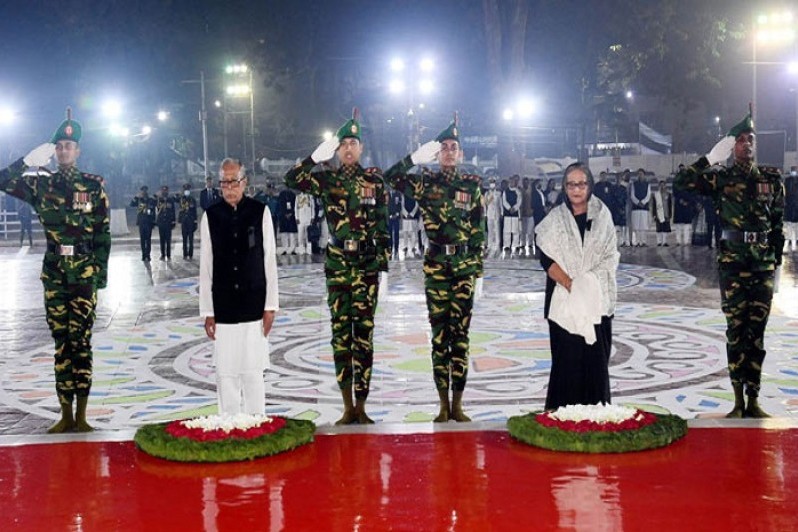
[{"x": 580, "y": 256}]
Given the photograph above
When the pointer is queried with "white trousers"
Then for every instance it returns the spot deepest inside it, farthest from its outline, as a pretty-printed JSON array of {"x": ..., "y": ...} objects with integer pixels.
[
  {"x": 289, "y": 241},
  {"x": 241, "y": 355},
  {"x": 683, "y": 233},
  {"x": 527, "y": 231},
  {"x": 790, "y": 235},
  {"x": 493, "y": 234},
  {"x": 302, "y": 238},
  {"x": 408, "y": 238},
  {"x": 511, "y": 229}
]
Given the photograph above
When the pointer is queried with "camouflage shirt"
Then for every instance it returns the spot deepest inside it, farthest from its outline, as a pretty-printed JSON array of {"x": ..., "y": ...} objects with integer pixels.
[
  {"x": 354, "y": 200},
  {"x": 74, "y": 211},
  {"x": 746, "y": 199},
  {"x": 451, "y": 208}
]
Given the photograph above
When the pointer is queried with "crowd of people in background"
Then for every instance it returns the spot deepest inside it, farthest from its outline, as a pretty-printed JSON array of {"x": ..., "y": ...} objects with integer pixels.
[{"x": 641, "y": 203}]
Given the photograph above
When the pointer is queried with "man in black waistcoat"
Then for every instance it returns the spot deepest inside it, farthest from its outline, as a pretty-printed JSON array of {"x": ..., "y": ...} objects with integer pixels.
[{"x": 238, "y": 291}]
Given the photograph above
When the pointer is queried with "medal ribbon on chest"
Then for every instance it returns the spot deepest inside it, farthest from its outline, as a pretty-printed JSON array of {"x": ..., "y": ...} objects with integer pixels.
[
  {"x": 462, "y": 200},
  {"x": 81, "y": 201}
]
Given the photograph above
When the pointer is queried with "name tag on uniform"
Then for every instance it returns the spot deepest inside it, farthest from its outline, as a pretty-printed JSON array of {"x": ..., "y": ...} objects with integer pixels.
[
  {"x": 81, "y": 201},
  {"x": 462, "y": 200},
  {"x": 368, "y": 194}
]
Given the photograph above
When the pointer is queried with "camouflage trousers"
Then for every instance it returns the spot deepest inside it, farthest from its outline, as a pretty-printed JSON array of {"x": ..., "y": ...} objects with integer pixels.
[
  {"x": 745, "y": 300},
  {"x": 450, "y": 300},
  {"x": 352, "y": 298},
  {"x": 69, "y": 308}
]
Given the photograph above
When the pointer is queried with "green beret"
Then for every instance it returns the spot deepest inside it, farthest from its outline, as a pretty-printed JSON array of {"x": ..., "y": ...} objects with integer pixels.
[
  {"x": 450, "y": 133},
  {"x": 68, "y": 130},
  {"x": 351, "y": 128},
  {"x": 746, "y": 125}
]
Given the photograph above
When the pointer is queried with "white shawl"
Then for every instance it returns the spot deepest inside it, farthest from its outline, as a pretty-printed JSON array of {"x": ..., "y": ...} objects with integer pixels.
[{"x": 591, "y": 265}]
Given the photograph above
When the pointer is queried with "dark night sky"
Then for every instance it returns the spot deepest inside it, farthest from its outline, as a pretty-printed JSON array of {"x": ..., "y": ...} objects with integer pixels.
[{"x": 70, "y": 52}]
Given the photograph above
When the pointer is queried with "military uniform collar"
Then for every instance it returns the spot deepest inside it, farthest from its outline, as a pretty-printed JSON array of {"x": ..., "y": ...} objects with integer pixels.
[
  {"x": 351, "y": 170},
  {"x": 449, "y": 174},
  {"x": 746, "y": 168}
]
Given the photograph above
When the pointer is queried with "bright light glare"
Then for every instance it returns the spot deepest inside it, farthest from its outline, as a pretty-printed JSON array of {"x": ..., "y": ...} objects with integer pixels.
[
  {"x": 163, "y": 116},
  {"x": 792, "y": 68},
  {"x": 717, "y": 120},
  {"x": 630, "y": 95},
  {"x": 508, "y": 114},
  {"x": 397, "y": 65},
  {"x": 396, "y": 86},
  {"x": 119, "y": 131},
  {"x": 775, "y": 35},
  {"x": 327, "y": 135},
  {"x": 237, "y": 90},
  {"x": 146, "y": 130},
  {"x": 112, "y": 109},
  {"x": 427, "y": 64},
  {"x": 774, "y": 19},
  {"x": 425, "y": 86},
  {"x": 526, "y": 108},
  {"x": 6, "y": 116},
  {"x": 236, "y": 69},
  {"x": 217, "y": 103}
]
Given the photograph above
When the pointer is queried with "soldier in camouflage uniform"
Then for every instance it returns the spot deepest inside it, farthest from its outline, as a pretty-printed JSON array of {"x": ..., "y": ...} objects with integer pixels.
[
  {"x": 355, "y": 205},
  {"x": 750, "y": 203},
  {"x": 451, "y": 209},
  {"x": 145, "y": 219},
  {"x": 73, "y": 210}
]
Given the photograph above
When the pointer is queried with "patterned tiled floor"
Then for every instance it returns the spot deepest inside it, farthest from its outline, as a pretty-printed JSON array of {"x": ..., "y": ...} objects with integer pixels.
[{"x": 152, "y": 360}]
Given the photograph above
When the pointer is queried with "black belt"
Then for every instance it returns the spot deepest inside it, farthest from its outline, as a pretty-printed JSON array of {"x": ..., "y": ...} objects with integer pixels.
[
  {"x": 81, "y": 248},
  {"x": 353, "y": 246},
  {"x": 447, "y": 249},
  {"x": 749, "y": 237}
]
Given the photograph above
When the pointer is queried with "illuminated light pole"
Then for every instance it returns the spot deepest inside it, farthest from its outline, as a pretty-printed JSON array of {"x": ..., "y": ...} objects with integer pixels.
[
  {"x": 420, "y": 84},
  {"x": 242, "y": 90},
  {"x": 769, "y": 29},
  {"x": 517, "y": 116}
]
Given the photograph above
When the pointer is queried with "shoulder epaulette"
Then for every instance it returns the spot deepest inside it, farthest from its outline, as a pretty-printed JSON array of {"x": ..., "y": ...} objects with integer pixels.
[
  {"x": 373, "y": 170},
  {"x": 471, "y": 177},
  {"x": 770, "y": 170},
  {"x": 93, "y": 177}
]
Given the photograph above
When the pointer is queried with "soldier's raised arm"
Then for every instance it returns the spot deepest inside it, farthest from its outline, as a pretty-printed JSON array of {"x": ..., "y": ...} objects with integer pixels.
[
  {"x": 399, "y": 177},
  {"x": 301, "y": 178}
]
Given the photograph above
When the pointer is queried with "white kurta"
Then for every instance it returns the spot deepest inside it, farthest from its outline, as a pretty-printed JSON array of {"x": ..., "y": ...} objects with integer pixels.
[{"x": 241, "y": 351}]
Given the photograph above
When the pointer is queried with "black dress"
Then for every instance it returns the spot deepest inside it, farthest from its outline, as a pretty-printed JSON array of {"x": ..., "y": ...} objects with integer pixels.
[{"x": 579, "y": 372}]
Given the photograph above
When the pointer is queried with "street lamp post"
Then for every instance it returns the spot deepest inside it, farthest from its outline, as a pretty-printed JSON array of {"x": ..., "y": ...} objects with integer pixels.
[
  {"x": 768, "y": 29},
  {"x": 421, "y": 84},
  {"x": 236, "y": 91}
]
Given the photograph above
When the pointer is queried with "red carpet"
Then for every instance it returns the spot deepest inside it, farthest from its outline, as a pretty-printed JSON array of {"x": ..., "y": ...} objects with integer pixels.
[{"x": 714, "y": 479}]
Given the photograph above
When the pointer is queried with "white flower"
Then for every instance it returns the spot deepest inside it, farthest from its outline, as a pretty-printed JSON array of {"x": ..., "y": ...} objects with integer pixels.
[
  {"x": 226, "y": 423},
  {"x": 596, "y": 413}
]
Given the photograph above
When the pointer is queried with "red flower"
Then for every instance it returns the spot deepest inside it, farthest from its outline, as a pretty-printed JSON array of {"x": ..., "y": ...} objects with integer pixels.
[
  {"x": 640, "y": 420},
  {"x": 178, "y": 430}
]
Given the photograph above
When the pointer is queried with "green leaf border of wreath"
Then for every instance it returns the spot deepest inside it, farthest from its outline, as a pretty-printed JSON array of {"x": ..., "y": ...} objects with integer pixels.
[
  {"x": 664, "y": 431},
  {"x": 153, "y": 439}
]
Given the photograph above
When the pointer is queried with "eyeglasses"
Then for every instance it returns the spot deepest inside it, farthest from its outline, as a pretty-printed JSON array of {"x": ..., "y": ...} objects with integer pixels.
[
  {"x": 230, "y": 183},
  {"x": 581, "y": 185}
]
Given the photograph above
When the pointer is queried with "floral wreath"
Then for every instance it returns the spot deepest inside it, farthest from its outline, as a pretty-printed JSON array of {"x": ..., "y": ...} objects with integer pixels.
[
  {"x": 223, "y": 438},
  {"x": 597, "y": 429}
]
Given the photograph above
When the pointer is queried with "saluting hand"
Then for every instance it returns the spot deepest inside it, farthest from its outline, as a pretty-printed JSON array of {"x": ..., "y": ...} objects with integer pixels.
[
  {"x": 40, "y": 155},
  {"x": 426, "y": 153},
  {"x": 326, "y": 150}
]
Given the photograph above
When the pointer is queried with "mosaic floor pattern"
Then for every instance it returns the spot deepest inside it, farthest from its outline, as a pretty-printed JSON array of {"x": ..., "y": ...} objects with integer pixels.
[{"x": 665, "y": 357}]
